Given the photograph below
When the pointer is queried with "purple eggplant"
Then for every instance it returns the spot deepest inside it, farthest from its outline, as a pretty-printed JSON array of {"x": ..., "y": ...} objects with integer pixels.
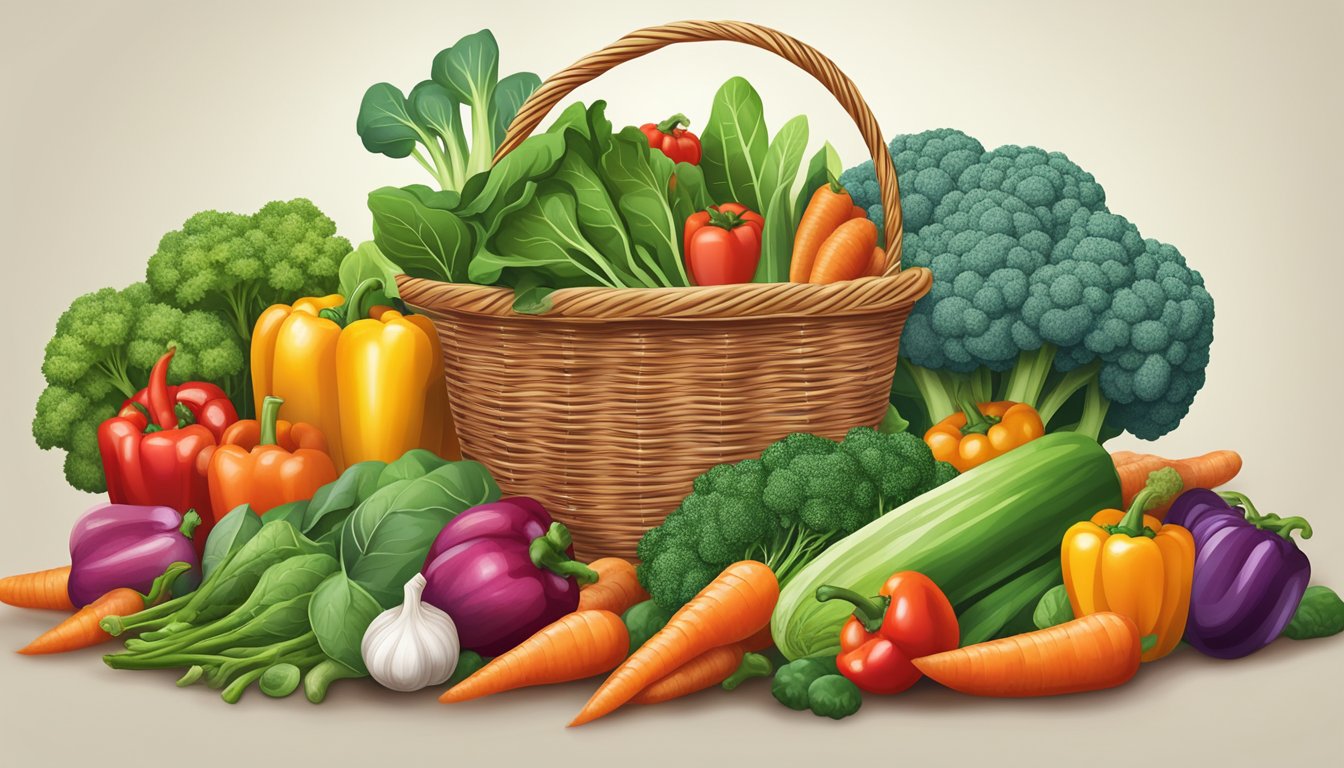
[
  {"x": 123, "y": 545},
  {"x": 1249, "y": 573},
  {"x": 503, "y": 571}
]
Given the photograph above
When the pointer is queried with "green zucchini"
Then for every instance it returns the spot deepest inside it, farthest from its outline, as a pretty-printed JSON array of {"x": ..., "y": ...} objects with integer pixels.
[{"x": 972, "y": 536}]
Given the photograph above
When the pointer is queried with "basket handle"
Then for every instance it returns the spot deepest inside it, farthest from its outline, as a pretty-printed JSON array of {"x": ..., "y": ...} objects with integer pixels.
[{"x": 805, "y": 57}]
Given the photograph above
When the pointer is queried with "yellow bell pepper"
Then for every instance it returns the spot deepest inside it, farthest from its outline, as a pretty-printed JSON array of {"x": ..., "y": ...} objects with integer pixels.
[
  {"x": 372, "y": 381},
  {"x": 1130, "y": 563}
]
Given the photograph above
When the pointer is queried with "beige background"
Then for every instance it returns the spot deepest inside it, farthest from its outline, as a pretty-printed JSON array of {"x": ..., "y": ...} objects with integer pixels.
[{"x": 1212, "y": 125}]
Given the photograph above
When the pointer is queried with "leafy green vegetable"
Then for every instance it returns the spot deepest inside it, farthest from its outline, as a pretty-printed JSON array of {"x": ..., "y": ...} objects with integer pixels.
[
  {"x": 366, "y": 262},
  {"x": 229, "y": 535},
  {"x": 792, "y": 680},
  {"x": 325, "y": 514},
  {"x": 465, "y": 75},
  {"x": 783, "y": 158},
  {"x": 340, "y": 611},
  {"x": 734, "y": 143},
  {"x": 893, "y": 423},
  {"x": 1053, "y": 609},
  {"x": 385, "y": 540},
  {"x": 416, "y": 229},
  {"x": 824, "y": 166},
  {"x": 236, "y": 576},
  {"x": 833, "y": 696},
  {"x": 1320, "y": 614}
]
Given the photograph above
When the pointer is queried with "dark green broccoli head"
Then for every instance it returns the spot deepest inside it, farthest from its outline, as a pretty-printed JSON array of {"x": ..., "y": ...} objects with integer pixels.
[
  {"x": 792, "y": 680},
  {"x": 834, "y": 696},
  {"x": 1040, "y": 295}
]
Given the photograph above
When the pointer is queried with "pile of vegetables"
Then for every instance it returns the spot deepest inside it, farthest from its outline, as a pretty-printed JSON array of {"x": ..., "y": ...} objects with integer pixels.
[{"x": 286, "y": 504}]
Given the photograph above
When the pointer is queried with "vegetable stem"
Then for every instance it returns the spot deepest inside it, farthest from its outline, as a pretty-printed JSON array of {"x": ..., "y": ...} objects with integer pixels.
[
  {"x": 672, "y": 123},
  {"x": 1027, "y": 379},
  {"x": 868, "y": 610},
  {"x": 270, "y": 414},
  {"x": 548, "y": 551},
  {"x": 977, "y": 423},
  {"x": 189, "y": 523},
  {"x": 1066, "y": 388},
  {"x": 1284, "y": 526}
]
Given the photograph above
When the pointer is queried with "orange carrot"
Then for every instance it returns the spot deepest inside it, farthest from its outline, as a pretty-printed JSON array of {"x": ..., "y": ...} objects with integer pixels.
[
  {"x": 1098, "y": 651},
  {"x": 1208, "y": 471},
  {"x": 39, "y": 589},
  {"x": 729, "y": 610},
  {"x": 829, "y": 207},
  {"x": 579, "y": 645},
  {"x": 81, "y": 630},
  {"x": 846, "y": 254},
  {"x": 616, "y": 589},
  {"x": 877, "y": 266},
  {"x": 858, "y": 213},
  {"x": 708, "y": 669}
]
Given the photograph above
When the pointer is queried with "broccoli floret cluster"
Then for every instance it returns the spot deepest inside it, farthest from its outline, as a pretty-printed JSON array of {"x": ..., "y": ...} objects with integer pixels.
[
  {"x": 803, "y": 494},
  {"x": 1041, "y": 294},
  {"x": 101, "y": 354},
  {"x": 205, "y": 287}
]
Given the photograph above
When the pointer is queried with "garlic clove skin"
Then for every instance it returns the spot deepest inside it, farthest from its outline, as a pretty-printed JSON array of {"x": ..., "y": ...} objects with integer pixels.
[{"x": 413, "y": 645}]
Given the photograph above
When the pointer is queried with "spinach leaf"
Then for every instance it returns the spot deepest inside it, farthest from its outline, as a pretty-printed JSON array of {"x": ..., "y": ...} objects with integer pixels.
[
  {"x": 1320, "y": 614},
  {"x": 385, "y": 124},
  {"x": 385, "y": 541},
  {"x": 734, "y": 144},
  {"x": 1053, "y": 609},
  {"x": 228, "y": 536},
  {"x": 416, "y": 228},
  {"x": 291, "y": 512},
  {"x": 365, "y": 262},
  {"x": 433, "y": 107},
  {"x": 689, "y": 195},
  {"x": 340, "y": 611},
  {"x": 236, "y": 576},
  {"x": 776, "y": 239},
  {"x": 510, "y": 94},
  {"x": 544, "y": 237},
  {"x": 823, "y": 166},
  {"x": 333, "y": 502},
  {"x": 639, "y": 179},
  {"x": 414, "y": 463},
  {"x": 783, "y": 158}
]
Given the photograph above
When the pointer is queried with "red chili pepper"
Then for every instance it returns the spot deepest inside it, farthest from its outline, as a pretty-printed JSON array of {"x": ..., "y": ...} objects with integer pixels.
[
  {"x": 151, "y": 447},
  {"x": 910, "y": 618},
  {"x": 677, "y": 143},
  {"x": 723, "y": 244}
]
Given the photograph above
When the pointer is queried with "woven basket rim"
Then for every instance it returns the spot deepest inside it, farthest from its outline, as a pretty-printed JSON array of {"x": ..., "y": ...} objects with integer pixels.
[{"x": 869, "y": 295}]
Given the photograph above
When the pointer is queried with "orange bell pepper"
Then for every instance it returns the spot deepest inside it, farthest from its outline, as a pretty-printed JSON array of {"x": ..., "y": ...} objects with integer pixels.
[
  {"x": 982, "y": 431},
  {"x": 268, "y": 462}
]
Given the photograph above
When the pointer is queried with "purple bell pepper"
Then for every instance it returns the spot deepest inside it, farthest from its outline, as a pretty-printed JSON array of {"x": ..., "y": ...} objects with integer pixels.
[
  {"x": 1249, "y": 573},
  {"x": 503, "y": 571},
  {"x": 124, "y": 545}
]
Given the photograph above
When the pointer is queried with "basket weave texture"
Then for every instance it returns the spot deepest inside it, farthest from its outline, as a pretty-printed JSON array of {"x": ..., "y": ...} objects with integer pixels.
[{"x": 608, "y": 405}]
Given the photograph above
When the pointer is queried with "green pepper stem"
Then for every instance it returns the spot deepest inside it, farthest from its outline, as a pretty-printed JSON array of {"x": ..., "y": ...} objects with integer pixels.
[
  {"x": 189, "y": 523},
  {"x": 270, "y": 414},
  {"x": 868, "y": 610},
  {"x": 548, "y": 551},
  {"x": 670, "y": 124},
  {"x": 977, "y": 423},
  {"x": 1162, "y": 485},
  {"x": 1284, "y": 526}
]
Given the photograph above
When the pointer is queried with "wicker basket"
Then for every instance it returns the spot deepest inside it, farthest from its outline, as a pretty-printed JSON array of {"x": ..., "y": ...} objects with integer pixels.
[{"x": 608, "y": 405}]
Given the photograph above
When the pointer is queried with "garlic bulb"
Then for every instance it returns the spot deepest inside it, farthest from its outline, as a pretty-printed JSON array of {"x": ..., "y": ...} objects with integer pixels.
[{"x": 411, "y": 646}]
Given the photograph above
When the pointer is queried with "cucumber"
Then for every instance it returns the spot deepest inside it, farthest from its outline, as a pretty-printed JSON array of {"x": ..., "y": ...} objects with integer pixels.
[{"x": 972, "y": 536}]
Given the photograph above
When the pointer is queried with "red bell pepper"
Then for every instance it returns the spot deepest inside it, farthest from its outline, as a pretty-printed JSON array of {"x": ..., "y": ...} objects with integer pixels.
[
  {"x": 672, "y": 140},
  {"x": 150, "y": 448},
  {"x": 723, "y": 244},
  {"x": 910, "y": 618}
]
